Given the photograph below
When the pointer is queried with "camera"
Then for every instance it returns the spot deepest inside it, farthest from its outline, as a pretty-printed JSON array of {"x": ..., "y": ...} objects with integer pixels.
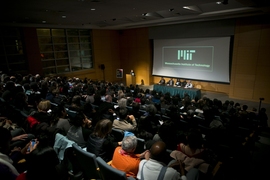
[{"x": 261, "y": 99}]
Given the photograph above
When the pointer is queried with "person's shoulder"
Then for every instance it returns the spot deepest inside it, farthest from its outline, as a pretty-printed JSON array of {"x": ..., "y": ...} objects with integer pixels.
[
  {"x": 143, "y": 161},
  {"x": 172, "y": 173}
]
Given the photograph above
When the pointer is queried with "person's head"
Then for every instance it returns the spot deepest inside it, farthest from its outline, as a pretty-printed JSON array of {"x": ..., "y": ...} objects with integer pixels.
[
  {"x": 41, "y": 164},
  {"x": 190, "y": 113},
  {"x": 122, "y": 103},
  {"x": 78, "y": 118},
  {"x": 263, "y": 110},
  {"x": 108, "y": 98},
  {"x": 151, "y": 109},
  {"x": 194, "y": 139},
  {"x": 158, "y": 151},
  {"x": 231, "y": 103},
  {"x": 103, "y": 128},
  {"x": 76, "y": 100},
  {"x": 34, "y": 86},
  {"x": 4, "y": 140},
  {"x": 59, "y": 112},
  {"x": 245, "y": 107},
  {"x": 44, "y": 106},
  {"x": 123, "y": 113},
  {"x": 129, "y": 143},
  {"x": 135, "y": 106}
]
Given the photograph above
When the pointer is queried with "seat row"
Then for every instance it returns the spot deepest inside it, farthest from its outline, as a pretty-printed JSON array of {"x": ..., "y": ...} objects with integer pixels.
[{"x": 83, "y": 164}]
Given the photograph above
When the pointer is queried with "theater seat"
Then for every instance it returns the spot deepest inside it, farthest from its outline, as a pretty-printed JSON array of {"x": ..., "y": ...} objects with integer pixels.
[
  {"x": 87, "y": 163},
  {"x": 110, "y": 173}
]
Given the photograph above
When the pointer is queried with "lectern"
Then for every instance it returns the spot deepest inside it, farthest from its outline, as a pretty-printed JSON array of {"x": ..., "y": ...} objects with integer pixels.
[{"x": 130, "y": 80}]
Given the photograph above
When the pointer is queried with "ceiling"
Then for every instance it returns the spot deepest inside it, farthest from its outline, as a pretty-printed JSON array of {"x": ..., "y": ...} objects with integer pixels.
[{"x": 123, "y": 14}]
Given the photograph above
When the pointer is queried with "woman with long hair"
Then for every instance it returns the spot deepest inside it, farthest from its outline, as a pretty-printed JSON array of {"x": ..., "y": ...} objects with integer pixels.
[{"x": 100, "y": 142}]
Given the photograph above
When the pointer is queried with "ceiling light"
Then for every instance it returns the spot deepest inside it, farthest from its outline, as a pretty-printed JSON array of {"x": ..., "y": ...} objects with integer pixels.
[
  {"x": 44, "y": 22},
  {"x": 64, "y": 16},
  {"x": 192, "y": 8},
  {"x": 186, "y": 7},
  {"x": 93, "y": 9},
  {"x": 218, "y": 2},
  {"x": 144, "y": 14}
]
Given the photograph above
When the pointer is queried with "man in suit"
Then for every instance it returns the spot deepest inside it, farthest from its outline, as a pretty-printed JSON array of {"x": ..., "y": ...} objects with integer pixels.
[
  {"x": 184, "y": 83},
  {"x": 162, "y": 81},
  {"x": 170, "y": 82},
  {"x": 178, "y": 83}
]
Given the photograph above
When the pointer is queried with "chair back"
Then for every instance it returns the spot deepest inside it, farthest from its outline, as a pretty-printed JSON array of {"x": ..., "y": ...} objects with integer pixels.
[
  {"x": 87, "y": 163},
  {"x": 140, "y": 146},
  {"x": 71, "y": 113},
  {"x": 108, "y": 172},
  {"x": 61, "y": 143},
  {"x": 118, "y": 134}
]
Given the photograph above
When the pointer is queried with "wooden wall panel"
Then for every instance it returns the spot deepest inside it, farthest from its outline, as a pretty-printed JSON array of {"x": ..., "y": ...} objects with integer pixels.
[
  {"x": 250, "y": 70},
  {"x": 246, "y": 55},
  {"x": 135, "y": 54}
]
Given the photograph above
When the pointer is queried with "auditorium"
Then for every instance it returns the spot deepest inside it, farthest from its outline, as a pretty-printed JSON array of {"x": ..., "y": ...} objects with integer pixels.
[{"x": 162, "y": 69}]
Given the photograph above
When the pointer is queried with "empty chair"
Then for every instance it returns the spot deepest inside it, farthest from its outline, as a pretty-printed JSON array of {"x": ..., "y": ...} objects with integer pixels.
[
  {"x": 87, "y": 163},
  {"x": 110, "y": 173}
]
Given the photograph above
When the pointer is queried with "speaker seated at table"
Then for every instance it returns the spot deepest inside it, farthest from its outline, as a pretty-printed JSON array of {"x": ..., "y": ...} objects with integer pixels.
[
  {"x": 178, "y": 83},
  {"x": 162, "y": 81},
  {"x": 170, "y": 82},
  {"x": 189, "y": 84}
]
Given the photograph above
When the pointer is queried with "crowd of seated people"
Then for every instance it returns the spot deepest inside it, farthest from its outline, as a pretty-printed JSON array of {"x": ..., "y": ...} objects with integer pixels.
[{"x": 86, "y": 111}]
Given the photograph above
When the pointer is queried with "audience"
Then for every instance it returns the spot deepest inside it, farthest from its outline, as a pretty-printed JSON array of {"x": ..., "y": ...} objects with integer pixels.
[{"x": 27, "y": 105}]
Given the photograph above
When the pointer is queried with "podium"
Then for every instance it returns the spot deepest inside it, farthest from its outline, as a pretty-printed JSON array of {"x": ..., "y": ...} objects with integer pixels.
[{"x": 130, "y": 80}]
